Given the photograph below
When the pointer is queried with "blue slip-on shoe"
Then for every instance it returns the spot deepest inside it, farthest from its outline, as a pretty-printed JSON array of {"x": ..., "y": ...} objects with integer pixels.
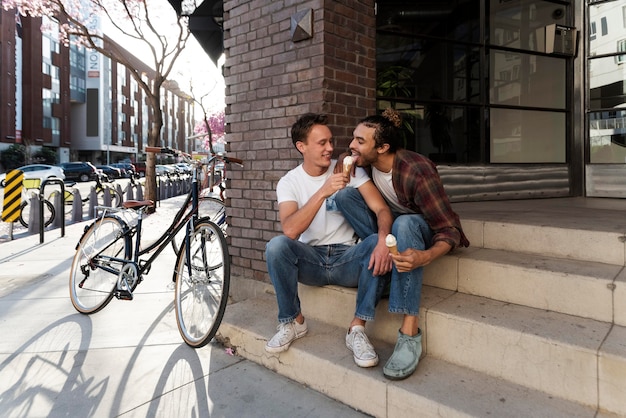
[{"x": 405, "y": 357}]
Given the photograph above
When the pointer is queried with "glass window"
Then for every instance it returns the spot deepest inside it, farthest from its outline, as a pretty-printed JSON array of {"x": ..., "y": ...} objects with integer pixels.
[
  {"x": 450, "y": 70},
  {"x": 607, "y": 137},
  {"x": 606, "y": 83},
  {"x": 526, "y": 136},
  {"x": 527, "y": 80},
  {"x": 415, "y": 69},
  {"x": 621, "y": 47},
  {"x": 603, "y": 24},
  {"x": 592, "y": 31},
  {"x": 448, "y": 19},
  {"x": 520, "y": 24}
]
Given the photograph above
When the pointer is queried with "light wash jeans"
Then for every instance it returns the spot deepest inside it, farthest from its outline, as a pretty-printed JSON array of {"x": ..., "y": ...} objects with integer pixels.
[
  {"x": 410, "y": 230},
  {"x": 290, "y": 261}
]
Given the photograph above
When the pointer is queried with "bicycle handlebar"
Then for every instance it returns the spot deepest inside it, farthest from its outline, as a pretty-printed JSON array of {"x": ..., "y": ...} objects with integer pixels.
[{"x": 168, "y": 150}]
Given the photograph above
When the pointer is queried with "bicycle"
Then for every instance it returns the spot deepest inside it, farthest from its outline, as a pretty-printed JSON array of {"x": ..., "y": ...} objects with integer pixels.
[
  {"x": 48, "y": 208},
  {"x": 108, "y": 265},
  {"x": 211, "y": 205},
  {"x": 101, "y": 189}
]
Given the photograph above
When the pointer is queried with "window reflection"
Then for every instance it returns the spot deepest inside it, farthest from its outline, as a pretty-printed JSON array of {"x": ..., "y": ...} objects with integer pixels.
[
  {"x": 520, "y": 24},
  {"x": 525, "y": 136},
  {"x": 527, "y": 80},
  {"x": 607, "y": 136},
  {"x": 607, "y": 91}
]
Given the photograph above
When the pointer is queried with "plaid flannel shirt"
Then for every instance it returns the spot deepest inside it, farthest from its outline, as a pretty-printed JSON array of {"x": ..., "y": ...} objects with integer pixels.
[{"x": 419, "y": 188}]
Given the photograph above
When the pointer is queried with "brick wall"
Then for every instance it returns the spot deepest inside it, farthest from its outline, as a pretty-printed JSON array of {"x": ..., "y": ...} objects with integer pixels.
[{"x": 270, "y": 82}]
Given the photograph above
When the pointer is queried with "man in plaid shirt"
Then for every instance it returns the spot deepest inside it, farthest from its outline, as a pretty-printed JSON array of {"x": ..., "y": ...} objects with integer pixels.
[{"x": 425, "y": 226}]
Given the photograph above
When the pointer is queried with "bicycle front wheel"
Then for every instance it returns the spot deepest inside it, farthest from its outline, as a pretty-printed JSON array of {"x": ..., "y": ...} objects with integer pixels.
[
  {"x": 208, "y": 207},
  {"x": 202, "y": 279},
  {"x": 48, "y": 213},
  {"x": 97, "y": 264}
]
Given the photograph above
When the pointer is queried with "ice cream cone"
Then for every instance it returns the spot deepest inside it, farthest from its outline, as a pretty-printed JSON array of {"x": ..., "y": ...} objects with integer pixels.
[
  {"x": 392, "y": 244},
  {"x": 347, "y": 165}
]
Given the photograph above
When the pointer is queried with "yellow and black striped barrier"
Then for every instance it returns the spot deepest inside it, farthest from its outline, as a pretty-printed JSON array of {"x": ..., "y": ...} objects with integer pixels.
[{"x": 12, "y": 196}]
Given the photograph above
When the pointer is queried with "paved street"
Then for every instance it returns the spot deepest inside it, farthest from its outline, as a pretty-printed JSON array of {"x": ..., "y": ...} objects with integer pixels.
[{"x": 127, "y": 360}]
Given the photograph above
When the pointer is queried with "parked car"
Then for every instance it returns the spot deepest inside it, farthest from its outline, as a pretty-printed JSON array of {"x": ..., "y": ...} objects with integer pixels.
[
  {"x": 111, "y": 172},
  {"x": 165, "y": 170},
  {"x": 37, "y": 171},
  {"x": 140, "y": 168},
  {"x": 129, "y": 169},
  {"x": 184, "y": 168},
  {"x": 80, "y": 171}
]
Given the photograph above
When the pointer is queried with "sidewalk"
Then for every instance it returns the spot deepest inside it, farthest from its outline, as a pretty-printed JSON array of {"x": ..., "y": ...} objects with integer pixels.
[{"x": 127, "y": 360}]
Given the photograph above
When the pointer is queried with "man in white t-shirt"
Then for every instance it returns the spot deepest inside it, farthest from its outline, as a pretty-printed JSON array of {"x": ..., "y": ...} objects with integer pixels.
[{"x": 318, "y": 246}]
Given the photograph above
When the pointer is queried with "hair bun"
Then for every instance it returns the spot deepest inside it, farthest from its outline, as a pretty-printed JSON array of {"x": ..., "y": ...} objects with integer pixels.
[{"x": 393, "y": 116}]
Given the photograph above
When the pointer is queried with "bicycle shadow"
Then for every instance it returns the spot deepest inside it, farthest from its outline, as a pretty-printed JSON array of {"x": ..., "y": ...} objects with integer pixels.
[
  {"x": 43, "y": 376},
  {"x": 181, "y": 388}
]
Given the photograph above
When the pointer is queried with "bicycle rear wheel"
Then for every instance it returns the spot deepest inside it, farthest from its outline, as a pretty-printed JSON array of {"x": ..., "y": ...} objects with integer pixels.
[
  {"x": 48, "y": 213},
  {"x": 94, "y": 272},
  {"x": 202, "y": 282}
]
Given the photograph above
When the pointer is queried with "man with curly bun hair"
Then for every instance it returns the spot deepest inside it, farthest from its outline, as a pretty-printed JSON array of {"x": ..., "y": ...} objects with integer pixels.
[{"x": 425, "y": 226}]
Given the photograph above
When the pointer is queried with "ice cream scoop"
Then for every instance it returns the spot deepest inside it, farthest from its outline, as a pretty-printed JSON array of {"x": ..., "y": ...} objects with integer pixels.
[
  {"x": 347, "y": 164},
  {"x": 391, "y": 243}
]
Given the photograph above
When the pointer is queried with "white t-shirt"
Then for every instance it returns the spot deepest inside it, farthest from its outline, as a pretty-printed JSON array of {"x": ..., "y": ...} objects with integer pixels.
[
  {"x": 384, "y": 183},
  {"x": 329, "y": 226}
]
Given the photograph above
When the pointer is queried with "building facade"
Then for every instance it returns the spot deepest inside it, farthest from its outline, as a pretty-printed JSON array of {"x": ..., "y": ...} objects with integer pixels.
[
  {"x": 513, "y": 99},
  {"x": 77, "y": 102}
]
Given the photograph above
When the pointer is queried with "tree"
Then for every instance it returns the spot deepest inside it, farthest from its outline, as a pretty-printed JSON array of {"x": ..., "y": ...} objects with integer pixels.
[
  {"x": 13, "y": 157},
  {"x": 212, "y": 126},
  {"x": 150, "y": 23}
]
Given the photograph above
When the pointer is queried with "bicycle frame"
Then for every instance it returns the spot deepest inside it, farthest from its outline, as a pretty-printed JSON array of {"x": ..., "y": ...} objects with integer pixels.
[{"x": 181, "y": 219}]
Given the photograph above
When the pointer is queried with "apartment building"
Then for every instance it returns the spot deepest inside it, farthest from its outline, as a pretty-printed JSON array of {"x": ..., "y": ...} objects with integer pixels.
[{"x": 76, "y": 101}]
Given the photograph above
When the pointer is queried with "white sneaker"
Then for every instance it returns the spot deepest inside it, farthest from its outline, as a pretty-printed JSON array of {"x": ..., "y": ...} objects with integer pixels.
[
  {"x": 287, "y": 333},
  {"x": 359, "y": 344}
]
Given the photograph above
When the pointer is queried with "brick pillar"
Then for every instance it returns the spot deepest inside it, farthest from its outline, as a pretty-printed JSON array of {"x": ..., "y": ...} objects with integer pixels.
[{"x": 270, "y": 82}]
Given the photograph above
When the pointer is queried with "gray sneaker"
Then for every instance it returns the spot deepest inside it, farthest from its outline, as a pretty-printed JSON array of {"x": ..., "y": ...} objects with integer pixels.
[
  {"x": 405, "y": 357},
  {"x": 287, "y": 333},
  {"x": 362, "y": 349}
]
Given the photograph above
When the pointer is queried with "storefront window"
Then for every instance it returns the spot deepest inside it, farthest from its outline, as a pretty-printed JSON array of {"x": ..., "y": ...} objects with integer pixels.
[
  {"x": 527, "y": 80},
  {"x": 606, "y": 66},
  {"x": 520, "y": 24},
  {"x": 526, "y": 136},
  {"x": 475, "y": 88}
]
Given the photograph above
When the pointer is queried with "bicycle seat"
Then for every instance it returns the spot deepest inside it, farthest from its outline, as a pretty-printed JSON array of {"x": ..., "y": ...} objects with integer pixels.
[{"x": 137, "y": 204}]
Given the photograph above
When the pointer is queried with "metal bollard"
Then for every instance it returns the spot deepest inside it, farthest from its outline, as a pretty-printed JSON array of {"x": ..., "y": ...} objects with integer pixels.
[
  {"x": 120, "y": 193},
  {"x": 59, "y": 208},
  {"x": 129, "y": 192},
  {"x": 93, "y": 202},
  {"x": 34, "y": 220},
  {"x": 77, "y": 206}
]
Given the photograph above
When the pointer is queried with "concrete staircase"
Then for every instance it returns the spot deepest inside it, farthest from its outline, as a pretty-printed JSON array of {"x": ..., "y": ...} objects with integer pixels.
[{"x": 528, "y": 321}]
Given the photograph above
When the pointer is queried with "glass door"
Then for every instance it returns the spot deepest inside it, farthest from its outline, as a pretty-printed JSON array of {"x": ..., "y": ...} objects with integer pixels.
[{"x": 606, "y": 99}]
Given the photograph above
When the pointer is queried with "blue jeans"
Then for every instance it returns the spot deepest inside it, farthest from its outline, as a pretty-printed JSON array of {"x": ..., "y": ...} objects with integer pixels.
[
  {"x": 291, "y": 261},
  {"x": 411, "y": 231}
]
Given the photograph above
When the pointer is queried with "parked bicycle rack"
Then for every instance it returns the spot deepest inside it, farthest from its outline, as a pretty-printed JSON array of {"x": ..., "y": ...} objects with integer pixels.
[{"x": 41, "y": 199}]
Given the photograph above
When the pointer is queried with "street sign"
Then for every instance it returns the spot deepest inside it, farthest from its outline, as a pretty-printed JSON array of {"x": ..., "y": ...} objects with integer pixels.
[{"x": 12, "y": 196}]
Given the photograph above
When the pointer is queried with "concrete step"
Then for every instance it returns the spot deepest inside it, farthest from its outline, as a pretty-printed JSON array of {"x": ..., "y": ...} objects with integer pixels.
[
  {"x": 572, "y": 228},
  {"x": 552, "y": 241},
  {"x": 582, "y": 288},
  {"x": 565, "y": 356},
  {"x": 438, "y": 388}
]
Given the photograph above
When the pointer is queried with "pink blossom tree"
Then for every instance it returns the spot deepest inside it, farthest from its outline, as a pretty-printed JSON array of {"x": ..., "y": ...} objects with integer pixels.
[
  {"x": 147, "y": 22},
  {"x": 213, "y": 127}
]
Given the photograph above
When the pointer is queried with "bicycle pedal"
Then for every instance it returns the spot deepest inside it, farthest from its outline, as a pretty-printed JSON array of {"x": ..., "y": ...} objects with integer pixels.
[{"x": 123, "y": 294}]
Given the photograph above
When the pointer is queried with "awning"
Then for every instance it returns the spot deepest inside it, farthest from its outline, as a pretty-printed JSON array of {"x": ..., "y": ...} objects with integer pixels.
[{"x": 205, "y": 24}]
